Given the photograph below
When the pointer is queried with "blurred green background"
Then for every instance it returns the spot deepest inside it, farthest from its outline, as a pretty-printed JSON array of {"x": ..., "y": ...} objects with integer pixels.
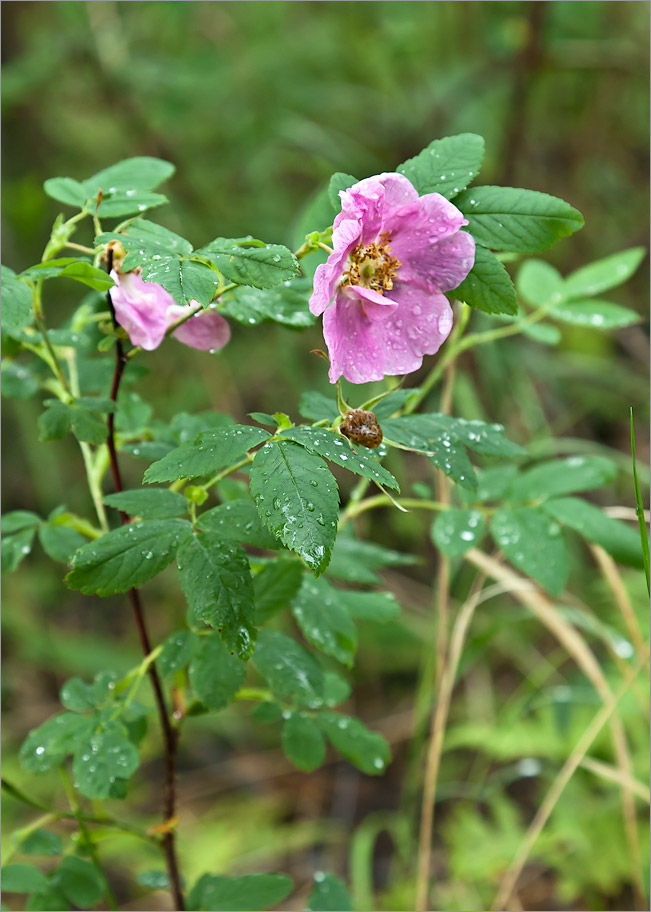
[{"x": 257, "y": 104}]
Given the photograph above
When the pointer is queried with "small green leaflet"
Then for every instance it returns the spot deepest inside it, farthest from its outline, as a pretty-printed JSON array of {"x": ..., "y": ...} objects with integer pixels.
[
  {"x": 18, "y": 520},
  {"x": 597, "y": 314},
  {"x": 185, "y": 280},
  {"x": 212, "y": 450},
  {"x": 59, "y": 418},
  {"x": 80, "y": 882},
  {"x": 19, "y": 380},
  {"x": 562, "y": 476},
  {"x": 317, "y": 406},
  {"x": 144, "y": 240},
  {"x": 329, "y": 894},
  {"x": 178, "y": 651},
  {"x": 339, "y": 181},
  {"x": 366, "y": 750},
  {"x": 438, "y": 443},
  {"x": 291, "y": 672},
  {"x": 16, "y": 302},
  {"x": 446, "y": 166},
  {"x": 521, "y": 221},
  {"x": 22, "y": 878},
  {"x": 66, "y": 190},
  {"x": 157, "y": 503},
  {"x": 456, "y": 531},
  {"x": 370, "y": 606},
  {"x": 303, "y": 743},
  {"x": 356, "y": 561},
  {"x": 78, "y": 696},
  {"x": 105, "y": 756},
  {"x": 125, "y": 187},
  {"x": 215, "y": 674},
  {"x": 604, "y": 274},
  {"x": 287, "y": 304},
  {"x": 217, "y": 584},
  {"x": 324, "y": 620},
  {"x": 539, "y": 283},
  {"x": 16, "y": 547},
  {"x": 534, "y": 543},
  {"x": 48, "y": 745},
  {"x": 42, "y": 842},
  {"x": 337, "y": 449},
  {"x": 71, "y": 268},
  {"x": 261, "y": 266},
  {"x": 488, "y": 285},
  {"x": 620, "y": 540},
  {"x": 127, "y": 557},
  {"x": 275, "y": 586},
  {"x": 238, "y": 520},
  {"x": 238, "y": 894},
  {"x": 297, "y": 499}
]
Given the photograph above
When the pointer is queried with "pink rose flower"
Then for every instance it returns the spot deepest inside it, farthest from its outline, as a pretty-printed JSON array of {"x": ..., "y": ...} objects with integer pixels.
[
  {"x": 381, "y": 290},
  {"x": 145, "y": 310}
]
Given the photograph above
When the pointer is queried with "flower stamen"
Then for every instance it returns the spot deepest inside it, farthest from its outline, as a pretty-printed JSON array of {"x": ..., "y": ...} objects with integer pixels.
[{"x": 372, "y": 266}]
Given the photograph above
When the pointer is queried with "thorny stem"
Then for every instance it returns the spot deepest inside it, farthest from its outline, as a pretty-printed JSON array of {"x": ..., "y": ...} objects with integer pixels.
[{"x": 169, "y": 733}]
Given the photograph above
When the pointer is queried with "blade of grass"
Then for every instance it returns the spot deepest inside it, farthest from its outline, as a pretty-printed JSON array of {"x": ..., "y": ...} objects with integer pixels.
[{"x": 639, "y": 509}]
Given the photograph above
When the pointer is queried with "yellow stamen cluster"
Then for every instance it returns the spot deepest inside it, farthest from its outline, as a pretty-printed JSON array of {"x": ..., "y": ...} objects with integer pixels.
[{"x": 372, "y": 266}]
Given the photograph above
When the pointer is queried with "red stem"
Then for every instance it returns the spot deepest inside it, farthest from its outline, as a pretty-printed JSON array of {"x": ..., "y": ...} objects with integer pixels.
[{"x": 170, "y": 735}]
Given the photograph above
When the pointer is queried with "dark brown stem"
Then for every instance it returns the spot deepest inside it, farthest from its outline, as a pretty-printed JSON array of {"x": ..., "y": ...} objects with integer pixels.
[{"x": 170, "y": 735}]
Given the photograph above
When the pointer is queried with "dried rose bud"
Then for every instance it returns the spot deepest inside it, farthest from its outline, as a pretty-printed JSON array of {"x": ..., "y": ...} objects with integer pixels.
[{"x": 362, "y": 427}]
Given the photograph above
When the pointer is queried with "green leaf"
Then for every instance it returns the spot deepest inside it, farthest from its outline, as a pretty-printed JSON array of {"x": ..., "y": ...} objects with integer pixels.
[
  {"x": 456, "y": 531},
  {"x": 324, "y": 620},
  {"x": 238, "y": 894},
  {"x": 66, "y": 190},
  {"x": 18, "y": 520},
  {"x": 488, "y": 285},
  {"x": 618, "y": 539},
  {"x": 262, "y": 267},
  {"x": 303, "y": 743},
  {"x": 539, "y": 283},
  {"x": 317, "y": 407},
  {"x": 22, "y": 878},
  {"x": 153, "y": 880},
  {"x": 297, "y": 499},
  {"x": 48, "y": 745},
  {"x": 215, "y": 674},
  {"x": 185, "y": 280},
  {"x": 140, "y": 173},
  {"x": 329, "y": 894},
  {"x": 604, "y": 274},
  {"x": 238, "y": 520},
  {"x": 78, "y": 696},
  {"x": 211, "y": 451},
  {"x": 87, "y": 275},
  {"x": 356, "y": 561},
  {"x": 15, "y": 548},
  {"x": 534, "y": 543},
  {"x": 275, "y": 586},
  {"x": 366, "y": 750},
  {"x": 562, "y": 476},
  {"x": 543, "y": 333},
  {"x": 336, "y": 689},
  {"x": 156, "y": 503},
  {"x": 521, "y": 221},
  {"x": 594, "y": 314},
  {"x": 127, "y": 557},
  {"x": 105, "y": 756},
  {"x": 216, "y": 580},
  {"x": 419, "y": 432},
  {"x": 388, "y": 405},
  {"x": 87, "y": 426},
  {"x": 17, "y": 300},
  {"x": 178, "y": 651},
  {"x": 291, "y": 672},
  {"x": 370, "y": 606},
  {"x": 339, "y": 181},
  {"x": 128, "y": 202},
  {"x": 446, "y": 166},
  {"x": 337, "y": 449},
  {"x": 488, "y": 439},
  {"x": 286, "y": 304},
  {"x": 42, "y": 842},
  {"x": 19, "y": 380},
  {"x": 144, "y": 240},
  {"x": 48, "y": 900},
  {"x": 80, "y": 882},
  {"x": 59, "y": 542},
  {"x": 493, "y": 483}
]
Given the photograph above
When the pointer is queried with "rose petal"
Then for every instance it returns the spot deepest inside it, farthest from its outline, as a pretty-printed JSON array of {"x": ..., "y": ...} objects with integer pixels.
[
  {"x": 377, "y": 307},
  {"x": 419, "y": 326},
  {"x": 344, "y": 238},
  {"x": 425, "y": 237},
  {"x": 140, "y": 308},
  {"x": 207, "y": 330}
]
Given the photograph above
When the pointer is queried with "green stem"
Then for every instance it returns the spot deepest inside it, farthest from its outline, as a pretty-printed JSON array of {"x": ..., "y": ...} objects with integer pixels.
[
  {"x": 218, "y": 477},
  {"x": 54, "y": 362},
  {"x": 83, "y": 829},
  {"x": 383, "y": 500}
]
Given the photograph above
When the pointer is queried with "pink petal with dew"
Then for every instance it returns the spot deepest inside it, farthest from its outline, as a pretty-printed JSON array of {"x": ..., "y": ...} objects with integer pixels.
[
  {"x": 353, "y": 344},
  {"x": 140, "y": 308},
  {"x": 207, "y": 330},
  {"x": 371, "y": 199},
  {"x": 418, "y": 327},
  {"x": 344, "y": 238},
  {"x": 425, "y": 237},
  {"x": 377, "y": 307}
]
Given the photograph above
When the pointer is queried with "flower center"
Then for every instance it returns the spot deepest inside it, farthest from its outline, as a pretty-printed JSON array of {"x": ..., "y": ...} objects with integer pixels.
[{"x": 372, "y": 266}]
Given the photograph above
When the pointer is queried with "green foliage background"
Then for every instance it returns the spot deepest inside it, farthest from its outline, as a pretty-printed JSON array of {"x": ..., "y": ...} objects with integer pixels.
[{"x": 258, "y": 104}]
